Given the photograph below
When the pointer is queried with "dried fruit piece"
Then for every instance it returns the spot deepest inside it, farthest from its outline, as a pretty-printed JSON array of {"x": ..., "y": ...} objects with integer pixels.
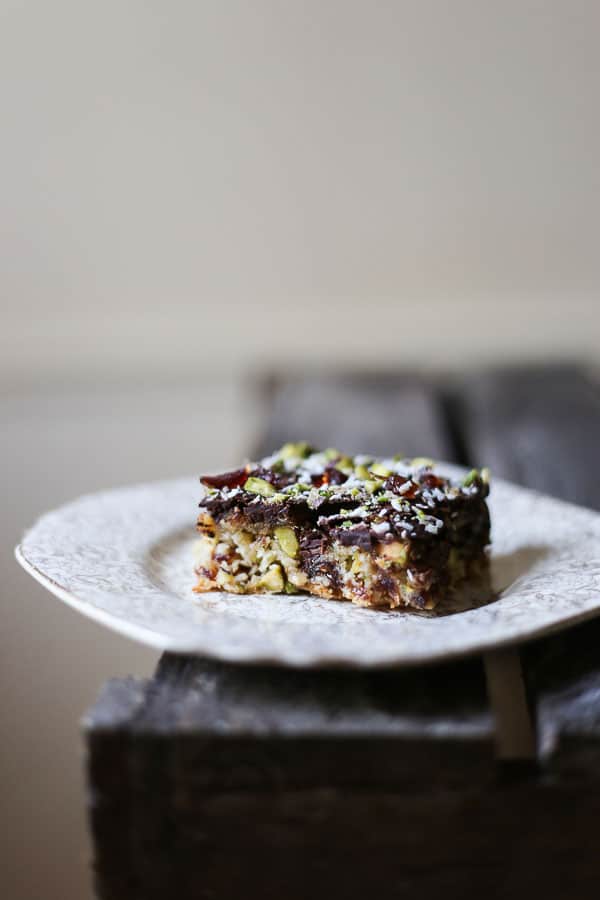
[{"x": 228, "y": 479}]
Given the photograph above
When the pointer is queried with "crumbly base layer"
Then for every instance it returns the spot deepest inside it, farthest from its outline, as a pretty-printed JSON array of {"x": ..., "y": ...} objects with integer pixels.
[{"x": 244, "y": 560}]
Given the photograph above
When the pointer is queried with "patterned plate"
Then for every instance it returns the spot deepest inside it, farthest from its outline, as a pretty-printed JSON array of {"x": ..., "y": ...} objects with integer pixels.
[{"x": 124, "y": 558}]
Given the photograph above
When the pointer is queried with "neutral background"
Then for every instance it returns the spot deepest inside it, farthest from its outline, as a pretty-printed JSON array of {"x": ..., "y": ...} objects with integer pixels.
[
  {"x": 192, "y": 191},
  {"x": 187, "y": 180}
]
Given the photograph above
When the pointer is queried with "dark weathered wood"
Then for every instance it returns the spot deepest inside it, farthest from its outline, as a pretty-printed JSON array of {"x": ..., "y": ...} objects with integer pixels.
[
  {"x": 312, "y": 805},
  {"x": 218, "y": 781},
  {"x": 504, "y": 842},
  {"x": 541, "y": 428},
  {"x": 219, "y": 776},
  {"x": 537, "y": 427},
  {"x": 379, "y": 414}
]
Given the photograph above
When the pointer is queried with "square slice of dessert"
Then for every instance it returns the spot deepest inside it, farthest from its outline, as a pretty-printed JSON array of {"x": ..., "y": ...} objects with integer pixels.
[{"x": 386, "y": 533}]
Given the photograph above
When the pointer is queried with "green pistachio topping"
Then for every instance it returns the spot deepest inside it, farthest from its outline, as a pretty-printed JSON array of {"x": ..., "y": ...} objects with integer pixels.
[
  {"x": 381, "y": 470},
  {"x": 345, "y": 465},
  {"x": 421, "y": 462},
  {"x": 259, "y": 486},
  {"x": 298, "y": 488},
  {"x": 287, "y": 540},
  {"x": 472, "y": 476},
  {"x": 291, "y": 451},
  {"x": 272, "y": 580}
]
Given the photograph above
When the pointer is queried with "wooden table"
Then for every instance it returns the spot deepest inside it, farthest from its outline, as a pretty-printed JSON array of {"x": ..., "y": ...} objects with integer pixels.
[{"x": 222, "y": 781}]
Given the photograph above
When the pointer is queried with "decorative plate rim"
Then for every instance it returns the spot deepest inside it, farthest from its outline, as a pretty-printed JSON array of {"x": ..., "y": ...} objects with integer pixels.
[{"x": 255, "y": 640}]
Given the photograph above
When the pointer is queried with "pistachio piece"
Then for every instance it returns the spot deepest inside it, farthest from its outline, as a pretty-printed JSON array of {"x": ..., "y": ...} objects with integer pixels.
[
  {"x": 298, "y": 488},
  {"x": 357, "y": 563},
  {"x": 362, "y": 472},
  {"x": 290, "y": 588},
  {"x": 371, "y": 485},
  {"x": 332, "y": 453},
  {"x": 259, "y": 486},
  {"x": 289, "y": 451},
  {"x": 421, "y": 462},
  {"x": 287, "y": 540},
  {"x": 472, "y": 476},
  {"x": 345, "y": 465},
  {"x": 485, "y": 475},
  {"x": 272, "y": 580},
  {"x": 380, "y": 470},
  {"x": 395, "y": 551}
]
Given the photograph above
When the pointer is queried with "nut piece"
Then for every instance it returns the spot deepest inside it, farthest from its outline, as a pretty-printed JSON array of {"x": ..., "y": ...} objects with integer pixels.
[
  {"x": 272, "y": 580},
  {"x": 206, "y": 524},
  {"x": 421, "y": 462},
  {"x": 292, "y": 451},
  {"x": 259, "y": 486},
  {"x": 395, "y": 551},
  {"x": 287, "y": 540},
  {"x": 381, "y": 470}
]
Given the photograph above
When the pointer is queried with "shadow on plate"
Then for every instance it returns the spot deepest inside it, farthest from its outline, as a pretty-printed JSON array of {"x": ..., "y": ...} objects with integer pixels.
[
  {"x": 505, "y": 570},
  {"x": 508, "y": 567}
]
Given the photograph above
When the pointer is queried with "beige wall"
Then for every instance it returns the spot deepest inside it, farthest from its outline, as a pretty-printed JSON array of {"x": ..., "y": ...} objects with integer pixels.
[{"x": 297, "y": 177}]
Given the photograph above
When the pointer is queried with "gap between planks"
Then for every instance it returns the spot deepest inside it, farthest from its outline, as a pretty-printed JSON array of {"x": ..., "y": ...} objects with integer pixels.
[{"x": 514, "y": 734}]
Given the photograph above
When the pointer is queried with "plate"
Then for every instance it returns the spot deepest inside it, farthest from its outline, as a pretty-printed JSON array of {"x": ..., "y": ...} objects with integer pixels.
[{"x": 124, "y": 558}]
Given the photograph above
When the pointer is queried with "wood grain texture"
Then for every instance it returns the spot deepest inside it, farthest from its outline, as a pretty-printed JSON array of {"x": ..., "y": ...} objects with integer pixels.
[
  {"x": 214, "y": 781},
  {"x": 379, "y": 414},
  {"x": 536, "y": 427}
]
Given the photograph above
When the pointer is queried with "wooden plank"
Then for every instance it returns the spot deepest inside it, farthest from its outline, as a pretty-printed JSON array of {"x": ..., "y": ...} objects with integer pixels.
[
  {"x": 276, "y": 802},
  {"x": 537, "y": 427},
  {"x": 379, "y": 414},
  {"x": 502, "y": 843},
  {"x": 190, "y": 696},
  {"x": 541, "y": 428},
  {"x": 234, "y": 779}
]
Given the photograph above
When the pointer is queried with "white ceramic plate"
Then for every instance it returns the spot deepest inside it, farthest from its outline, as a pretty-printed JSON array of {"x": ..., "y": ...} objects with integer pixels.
[{"x": 124, "y": 558}]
